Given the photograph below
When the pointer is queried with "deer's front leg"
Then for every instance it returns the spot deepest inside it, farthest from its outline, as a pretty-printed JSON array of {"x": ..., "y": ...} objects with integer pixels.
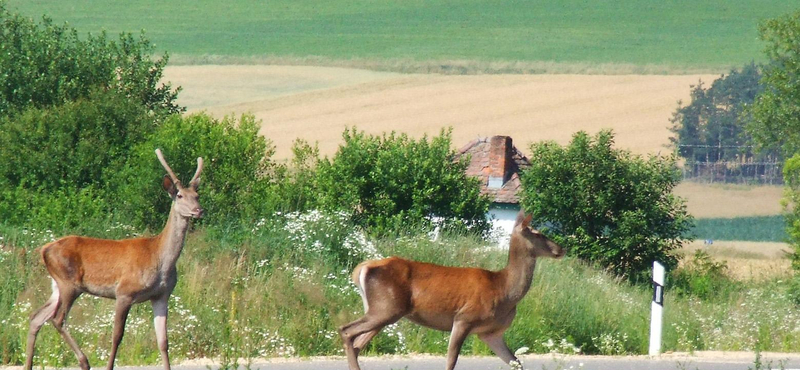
[
  {"x": 160, "y": 323},
  {"x": 457, "y": 336},
  {"x": 498, "y": 345},
  {"x": 122, "y": 308}
]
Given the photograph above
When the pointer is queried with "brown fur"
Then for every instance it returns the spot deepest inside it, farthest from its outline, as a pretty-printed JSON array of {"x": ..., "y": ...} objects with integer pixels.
[
  {"x": 130, "y": 271},
  {"x": 457, "y": 299}
]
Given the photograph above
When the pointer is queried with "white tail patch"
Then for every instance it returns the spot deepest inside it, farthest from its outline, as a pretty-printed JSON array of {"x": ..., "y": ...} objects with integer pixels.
[
  {"x": 56, "y": 295},
  {"x": 362, "y": 287}
]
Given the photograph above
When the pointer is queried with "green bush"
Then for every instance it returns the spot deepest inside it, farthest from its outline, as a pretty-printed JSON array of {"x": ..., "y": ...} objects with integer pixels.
[
  {"x": 45, "y": 64},
  {"x": 703, "y": 277},
  {"x": 53, "y": 161},
  {"x": 606, "y": 205},
  {"x": 791, "y": 175},
  {"x": 73, "y": 144},
  {"x": 236, "y": 183},
  {"x": 392, "y": 181}
]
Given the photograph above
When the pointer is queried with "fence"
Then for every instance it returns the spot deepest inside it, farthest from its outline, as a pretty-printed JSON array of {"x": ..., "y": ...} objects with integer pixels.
[{"x": 730, "y": 164}]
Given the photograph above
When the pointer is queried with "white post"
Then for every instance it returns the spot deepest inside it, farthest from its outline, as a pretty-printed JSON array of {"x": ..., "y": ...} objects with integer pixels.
[{"x": 657, "y": 309}]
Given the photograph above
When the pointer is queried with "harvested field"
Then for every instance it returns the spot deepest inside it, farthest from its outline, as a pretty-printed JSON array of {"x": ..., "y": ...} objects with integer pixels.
[
  {"x": 727, "y": 201},
  {"x": 317, "y": 103},
  {"x": 747, "y": 260}
]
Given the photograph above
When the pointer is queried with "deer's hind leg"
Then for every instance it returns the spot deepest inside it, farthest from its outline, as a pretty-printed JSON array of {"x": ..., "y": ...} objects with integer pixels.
[
  {"x": 38, "y": 318},
  {"x": 68, "y": 296}
]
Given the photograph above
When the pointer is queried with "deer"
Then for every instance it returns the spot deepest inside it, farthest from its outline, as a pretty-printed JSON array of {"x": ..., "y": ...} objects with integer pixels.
[
  {"x": 129, "y": 271},
  {"x": 461, "y": 300}
]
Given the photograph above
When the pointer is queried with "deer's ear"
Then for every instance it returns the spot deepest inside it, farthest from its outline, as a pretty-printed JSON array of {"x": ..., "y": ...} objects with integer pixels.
[
  {"x": 195, "y": 184},
  {"x": 169, "y": 186}
]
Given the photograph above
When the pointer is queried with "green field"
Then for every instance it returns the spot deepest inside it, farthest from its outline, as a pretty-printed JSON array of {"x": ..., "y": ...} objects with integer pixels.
[
  {"x": 757, "y": 229},
  {"x": 678, "y": 35}
]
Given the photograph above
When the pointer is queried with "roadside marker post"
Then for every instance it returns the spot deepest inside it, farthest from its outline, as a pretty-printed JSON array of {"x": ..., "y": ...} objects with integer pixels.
[{"x": 657, "y": 309}]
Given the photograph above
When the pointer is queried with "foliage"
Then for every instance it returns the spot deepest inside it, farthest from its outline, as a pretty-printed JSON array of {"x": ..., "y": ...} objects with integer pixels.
[
  {"x": 235, "y": 183},
  {"x": 73, "y": 144},
  {"x": 606, "y": 205},
  {"x": 776, "y": 111},
  {"x": 297, "y": 182},
  {"x": 791, "y": 173},
  {"x": 714, "y": 117},
  {"x": 54, "y": 161},
  {"x": 711, "y": 128},
  {"x": 776, "y": 114},
  {"x": 702, "y": 277},
  {"x": 45, "y": 65},
  {"x": 392, "y": 181}
]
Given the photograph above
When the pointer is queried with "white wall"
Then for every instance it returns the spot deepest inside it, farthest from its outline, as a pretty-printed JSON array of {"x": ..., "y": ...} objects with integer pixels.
[{"x": 502, "y": 224}]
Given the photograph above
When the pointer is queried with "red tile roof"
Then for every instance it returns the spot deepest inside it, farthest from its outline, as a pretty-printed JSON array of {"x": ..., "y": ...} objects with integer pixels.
[{"x": 497, "y": 162}]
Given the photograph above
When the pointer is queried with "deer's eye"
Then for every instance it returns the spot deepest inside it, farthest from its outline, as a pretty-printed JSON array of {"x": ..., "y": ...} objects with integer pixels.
[{"x": 180, "y": 195}]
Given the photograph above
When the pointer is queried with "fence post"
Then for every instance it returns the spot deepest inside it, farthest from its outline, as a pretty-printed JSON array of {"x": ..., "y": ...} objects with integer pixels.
[{"x": 657, "y": 309}]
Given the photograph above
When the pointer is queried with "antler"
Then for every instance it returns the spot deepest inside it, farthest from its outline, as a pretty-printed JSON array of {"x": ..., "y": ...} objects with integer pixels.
[
  {"x": 166, "y": 167},
  {"x": 196, "y": 177}
]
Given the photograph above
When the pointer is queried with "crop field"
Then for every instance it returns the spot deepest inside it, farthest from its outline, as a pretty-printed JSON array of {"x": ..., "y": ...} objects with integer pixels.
[
  {"x": 318, "y": 103},
  {"x": 675, "y": 36}
]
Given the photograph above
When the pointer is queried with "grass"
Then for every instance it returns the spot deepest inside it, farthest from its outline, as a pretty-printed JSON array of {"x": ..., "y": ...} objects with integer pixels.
[
  {"x": 760, "y": 228},
  {"x": 676, "y": 35},
  {"x": 281, "y": 288}
]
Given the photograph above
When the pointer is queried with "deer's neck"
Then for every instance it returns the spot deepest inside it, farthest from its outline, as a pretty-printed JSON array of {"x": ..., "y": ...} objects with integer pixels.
[
  {"x": 171, "y": 240},
  {"x": 519, "y": 272}
]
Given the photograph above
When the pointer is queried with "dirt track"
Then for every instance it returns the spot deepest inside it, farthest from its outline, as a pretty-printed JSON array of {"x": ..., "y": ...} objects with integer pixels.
[{"x": 317, "y": 103}]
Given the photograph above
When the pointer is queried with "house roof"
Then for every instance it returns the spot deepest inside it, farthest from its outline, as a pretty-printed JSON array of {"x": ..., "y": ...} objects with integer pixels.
[{"x": 497, "y": 163}]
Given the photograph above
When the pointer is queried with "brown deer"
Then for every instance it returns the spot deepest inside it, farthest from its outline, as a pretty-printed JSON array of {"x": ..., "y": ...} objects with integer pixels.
[
  {"x": 461, "y": 300},
  {"x": 129, "y": 271}
]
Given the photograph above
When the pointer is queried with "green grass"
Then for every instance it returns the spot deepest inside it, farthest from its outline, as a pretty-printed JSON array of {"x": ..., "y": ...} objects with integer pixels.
[
  {"x": 281, "y": 288},
  {"x": 759, "y": 229},
  {"x": 680, "y": 35}
]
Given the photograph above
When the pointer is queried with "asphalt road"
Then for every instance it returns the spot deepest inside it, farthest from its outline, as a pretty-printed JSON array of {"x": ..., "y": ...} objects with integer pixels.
[
  {"x": 697, "y": 361},
  {"x": 717, "y": 361}
]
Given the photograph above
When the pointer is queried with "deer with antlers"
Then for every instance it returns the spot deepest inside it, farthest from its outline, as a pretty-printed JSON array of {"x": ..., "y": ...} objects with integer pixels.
[
  {"x": 129, "y": 271},
  {"x": 461, "y": 300}
]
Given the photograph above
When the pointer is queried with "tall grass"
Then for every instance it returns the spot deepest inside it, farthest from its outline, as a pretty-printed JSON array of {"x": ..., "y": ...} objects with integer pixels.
[
  {"x": 281, "y": 288},
  {"x": 675, "y": 35}
]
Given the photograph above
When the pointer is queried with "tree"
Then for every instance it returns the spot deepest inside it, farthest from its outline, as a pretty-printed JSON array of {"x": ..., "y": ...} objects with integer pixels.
[
  {"x": 776, "y": 115},
  {"x": 711, "y": 128},
  {"x": 606, "y": 205},
  {"x": 390, "y": 181},
  {"x": 44, "y": 64}
]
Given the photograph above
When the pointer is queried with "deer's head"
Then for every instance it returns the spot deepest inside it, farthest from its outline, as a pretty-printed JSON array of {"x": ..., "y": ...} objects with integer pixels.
[
  {"x": 533, "y": 241},
  {"x": 185, "y": 200}
]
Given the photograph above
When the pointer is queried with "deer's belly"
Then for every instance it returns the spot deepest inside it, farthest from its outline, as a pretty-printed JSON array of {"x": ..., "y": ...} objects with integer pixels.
[{"x": 442, "y": 322}]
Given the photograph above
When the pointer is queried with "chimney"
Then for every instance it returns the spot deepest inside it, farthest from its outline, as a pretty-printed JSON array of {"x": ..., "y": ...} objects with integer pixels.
[{"x": 499, "y": 161}]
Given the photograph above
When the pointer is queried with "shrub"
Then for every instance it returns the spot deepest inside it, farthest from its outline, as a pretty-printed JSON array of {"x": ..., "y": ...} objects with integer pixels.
[
  {"x": 702, "y": 277},
  {"x": 44, "y": 65},
  {"x": 235, "y": 184},
  {"x": 53, "y": 160},
  {"x": 390, "y": 181},
  {"x": 606, "y": 205},
  {"x": 791, "y": 175},
  {"x": 73, "y": 144}
]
